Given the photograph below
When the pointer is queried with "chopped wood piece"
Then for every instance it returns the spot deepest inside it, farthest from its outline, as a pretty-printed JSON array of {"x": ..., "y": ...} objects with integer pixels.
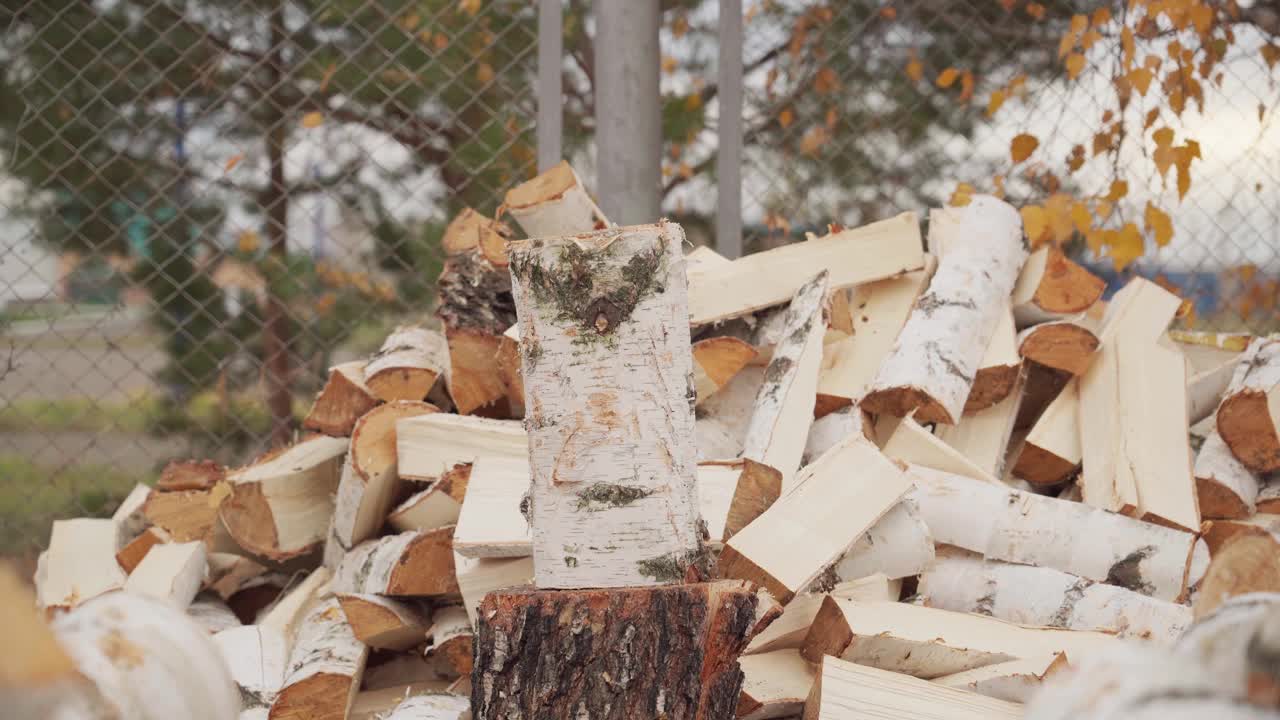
[
  {"x": 554, "y": 203},
  {"x": 963, "y": 582},
  {"x": 477, "y": 380},
  {"x": 384, "y": 623},
  {"x": 229, "y": 572},
  {"x": 1250, "y": 411},
  {"x": 376, "y": 704},
  {"x": 477, "y": 578},
  {"x": 783, "y": 410},
  {"x": 190, "y": 475},
  {"x": 715, "y": 362},
  {"x": 814, "y": 524},
  {"x": 490, "y": 523},
  {"x": 791, "y": 627},
  {"x": 774, "y": 685},
  {"x": 1206, "y": 386},
  {"x": 912, "y": 443},
  {"x": 852, "y": 257},
  {"x": 325, "y": 667},
  {"x": 129, "y": 518},
  {"x": 932, "y": 364},
  {"x": 80, "y": 563},
  {"x": 1030, "y": 529},
  {"x": 611, "y": 451},
  {"x": 701, "y": 259},
  {"x": 928, "y": 643},
  {"x": 390, "y": 669},
  {"x": 370, "y": 478},
  {"x": 439, "y": 505},
  {"x": 212, "y": 614},
  {"x": 430, "y": 445},
  {"x": 721, "y": 424},
  {"x": 280, "y": 508},
  {"x": 189, "y": 514},
  {"x": 1219, "y": 532},
  {"x": 257, "y": 658},
  {"x": 469, "y": 230},
  {"x": 342, "y": 401},
  {"x": 1051, "y": 286},
  {"x": 999, "y": 369},
  {"x": 255, "y": 595},
  {"x": 1051, "y": 451},
  {"x": 172, "y": 573},
  {"x": 288, "y": 611},
  {"x": 1014, "y": 681},
  {"x": 407, "y": 365},
  {"x": 833, "y": 427},
  {"x": 1067, "y": 345},
  {"x": 1247, "y": 564},
  {"x": 848, "y": 691},
  {"x": 475, "y": 307},
  {"x": 451, "y": 639},
  {"x": 1225, "y": 488},
  {"x": 983, "y": 437},
  {"x": 684, "y": 669},
  {"x": 411, "y": 563},
  {"x": 432, "y": 707},
  {"x": 1041, "y": 387},
  {"x": 733, "y": 493},
  {"x": 133, "y": 553},
  {"x": 899, "y": 545}
]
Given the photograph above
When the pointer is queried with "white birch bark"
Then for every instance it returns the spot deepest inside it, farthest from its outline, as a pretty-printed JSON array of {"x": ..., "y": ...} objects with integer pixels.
[
  {"x": 288, "y": 609},
  {"x": 1225, "y": 488},
  {"x": 172, "y": 573},
  {"x": 1249, "y": 415},
  {"x": 432, "y": 707},
  {"x": 407, "y": 365},
  {"x": 607, "y": 369},
  {"x": 449, "y": 639},
  {"x": 899, "y": 545},
  {"x": 783, "y": 409},
  {"x": 554, "y": 203},
  {"x": 384, "y": 623},
  {"x": 325, "y": 667},
  {"x": 834, "y": 427},
  {"x": 936, "y": 356},
  {"x": 257, "y": 657},
  {"x": 1015, "y": 681},
  {"x": 411, "y": 563},
  {"x": 1019, "y": 527},
  {"x": 129, "y": 518},
  {"x": 1027, "y": 595},
  {"x": 79, "y": 564}
]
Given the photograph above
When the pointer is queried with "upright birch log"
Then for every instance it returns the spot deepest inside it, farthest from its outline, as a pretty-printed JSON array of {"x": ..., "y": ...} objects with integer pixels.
[
  {"x": 932, "y": 365},
  {"x": 407, "y": 365},
  {"x": 1249, "y": 416},
  {"x": 608, "y": 383},
  {"x": 554, "y": 202}
]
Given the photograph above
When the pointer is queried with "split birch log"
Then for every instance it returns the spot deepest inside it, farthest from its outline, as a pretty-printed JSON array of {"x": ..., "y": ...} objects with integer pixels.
[
  {"x": 432, "y": 707},
  {"x": 1052, "y": 286},
  {"x": 814, "y": 524},
  {"x": 342, "y": 401},
  {"x": 848, "y": 691},
  {"x": 478, "y": 578},
  {"x": 783, "y": 409},
  {"x": 983, "y": 437},
  {"x": 475, "y": 308},
  {"x": 439, "y": 505},
  {"x": 774, "y": 685},
  {"x": 838, "y": 425},
  {"x": 384, "y": 623},
  {"x": 716, "y": 360},
  {"x": 411, "y": 563},
  {"x": 1041, "y": 387},
  {"x": 450, "y": 638},
  {"x": 80, "y": 563},
  {"x": 257, "y": 658},
  {"x": 611, "y": 453},
  {"x": 129, "y": 518},
  {"x": 963, "y": 582},
  {"x": 933, "y": 362},
  {"x": 912, "y": 443},
  {"x": 1067, "y": 345},
  {"x": 170, "y": 573},
  {"x": 733, "y": 493},
  {"x": 407, "y": 365},
  {"x": 212, "y": 613},
  {"x": 721, "y": 422},
  {"x": 1225, "y": 488},
  {"x": 1015, "y": 681},
  {"x": 280, "y": 508},
  {"x": 370, "y": 478},
  {"x": 480, "y": 379},
  {"x": 679, "y": 670},
  {"x": 555, "y": 202},
  {"x": 899, "y": 545},
  {"x": 180, "y": 475},
  {"x": 1250, "y": 411},
  {"x": 325, "y": 667},
  {"x": 430, "y": 445},
  {"x": 789, "y": 630},
  {"x": 1051, "y": 451},
  {"x": 873, "y": 252},
  {"x": 999, "y": 369},
  {"x": 1206, "y": 387},
  {"x": 1030, "y": 529},
  {"x": 190, "y": 515},
  {"x": 928, "y": 643},
  {"x": 132, "y": 554},
  {"x": 471, "y": 230},
  {"x": 490, "y": 523},
  {"x": 145, "y": 660}
]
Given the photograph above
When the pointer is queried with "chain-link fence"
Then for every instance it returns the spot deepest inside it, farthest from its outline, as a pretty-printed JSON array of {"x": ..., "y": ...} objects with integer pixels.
[{"x": 205, "y": 203}]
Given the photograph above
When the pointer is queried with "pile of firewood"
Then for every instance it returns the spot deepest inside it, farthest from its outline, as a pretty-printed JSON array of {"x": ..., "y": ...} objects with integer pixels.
[{"x": 845, "y": 477}]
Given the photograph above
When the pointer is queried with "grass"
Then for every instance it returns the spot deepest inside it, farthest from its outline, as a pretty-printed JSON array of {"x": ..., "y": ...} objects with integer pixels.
[{"x": 68, "y": 414}]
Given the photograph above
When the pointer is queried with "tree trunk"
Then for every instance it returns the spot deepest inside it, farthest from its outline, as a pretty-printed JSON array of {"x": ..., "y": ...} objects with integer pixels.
[{"x": 274, "y": 202}]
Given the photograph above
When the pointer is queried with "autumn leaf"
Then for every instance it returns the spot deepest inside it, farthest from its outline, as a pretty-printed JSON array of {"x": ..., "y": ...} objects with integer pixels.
[
  {"x": 1163, "y": 137},
  {"x": 1119, "y": 188},
  {"x": 1151, "y": 118},
  {"x": 997, "y": 99},
  {"x": 1022, "y": 146},
  {"x": 1182, "y": 157},
  {"x": 966, "y": 86},
  {"x": 1202, "y": 18},
  {"x": 1079, "y": 23},
  {"x": 998, "y": 181},
  {"x": 1089, "y": 39},
  {"x": 1067, "y": 43},
  {"x": 484, "y": 73},
  {"x": 470, "y": 7},
  {"x": 1126, "y": 246},
  {"x": 233, "y": 161},
  {"x": 1075, "y": 65},
  {"x": 786, "y": 117},
  {"x": 668, "y": 64},
  {"x": 440, "y": 42},
  {"x": 813, "y": 140},
  {"x": 915, "y": 69},
  {"x": 1101, "y": 16},
  {"x": 948, "y": 78},
  {"x": 1140, "y": 79},
  {"x": 680, "y": 25},
  {"x": 1076, "y": 159},
  {"x": 825, "y": 82},
  {"x": 1035, "y": 221},
  {"x": 1035, "y": 10},
  {"x": 888, "y": 12},
  {"x": 1158, "y": 224},
  {"x": 312, "y": 119},
  {"x": 1271, "y": 55},
  {"x": 247, "y": 242},
  {"x": 1080, "y": 217},
  {"x": 1058, "y": 208},
  {"x": 962, "y": 195}
]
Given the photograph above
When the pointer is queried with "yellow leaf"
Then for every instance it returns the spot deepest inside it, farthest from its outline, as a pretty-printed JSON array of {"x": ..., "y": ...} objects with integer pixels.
[
  {"x": 1035, "y": 222},
  {"x": 1075, "y": 65},
  {"x": 999, "y": 183},
  {"x": 948, "y": 78},
  {"x": 1140, "y": 79},
  {"x": 1158, "y": 224},
  {"x": 1101, "y": 16},
  {"x": 1022, "y": 147},
  {"x": 1089, "y": 39},
  {"x": 312, "y": 119},
  {"x": 1126, "y": 246},
  {"x": 1119, "y": 188},
  {"x": 1079, "y": 23},
  {"x": 484, "y": 73},
  {"x": 966, "y": 86},
  {"x": 1058, "y": 207},
  {"x": 694, "y": 101},
  {"x": 1102, "y": 210},
  {"x": 1130, "y": 48},
  {"x": 915, "y": 69},
  {"x": 680, "y": 25},
  {"x": 1202, "y": 17},
  {"x": 233, "y": 161},
  {"x": 997, "y": 99},
  {"x": 786, "y": 117},
  {"x": 1076, "y": 159},
  {"x": 1151, "y": 118},
  {"x": 813, "y": 140},
  {"x": 247, "y": 242},
  {"x": 825, "y": 82},
  {"x": 962, "y": 195},
  {"x": 1067, "y": 43},
  {"x": 440, "y": 41},
  {"x": 1163, "y": 137},
  {"x": 668, "y": 64},
  {"x": 1080, "y": 217},
  {"x": 470, "y": 7}
]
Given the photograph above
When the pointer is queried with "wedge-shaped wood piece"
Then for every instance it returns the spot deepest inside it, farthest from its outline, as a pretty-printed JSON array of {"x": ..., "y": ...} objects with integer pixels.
[
  {"x": 1051, "y": 451},
  {"x": 1205, "y": 387},
  {"x": 611, "y": 446},
  {"x": 190, "y": 475},
  {"x": 438, "y": 505},
  {"x": 932, "y": 364},
  {"x": 681, "y": 670},
  {"x": 258, "y": 658},
  {"x": 783, "y": 409},
  {"x": 407, "y": 365},
  {"x": 1030, "y": 529},
  {"x": 899, "y": 545},
  {"x": 470, "y": 230},
  {"x": 474, "y": 305},
  {"x": 132, "y": 554},
  {"x": 555, "y": 202},
  {"x": 451, "y": 641},
  {"x": 1067, "y": 345},
  {"x": 849, "y": 691},
  {"x": 912, "y": 443},
  {"x": 1051, "y": 286},
  {"x": 384, "y": 623},
  {"x": 774, "y": 685},
  {"x": 80, "y": 563},
  {"x": 1041, "y": 387},
  {"x": 928, "y": 643},
  {"x": 835, "y": 426},
  {"x": 411, "y": 563},
  {"x": 325, "y": 667},
  {"x": 370, "y": 478},
  {"x": 1225, "y": 488},
  {"x": 490, "y": 523},
  {"x": 1249, "y": 415},
  {"x": 964, "y": 582},
  {"x": 481, "y": 380},
  {"x": 189, "y": 515},
  {"x": 983, "y": 436},
  {"x": 873, "y": 252},
  {"x": 1015, "y": 681},
  {"x": 288, "y": 611},
  {"x": 835, "y": 500},
  {"x": 999, "y": 369},
  {"x": 280, "y": 508},
  {"x": 430, "y": 445},
  {"x": 733, "y": 493},
  {"x": 432, "y": 707},
  {"x": 478, "y": 578},
  {"x": 172, "y": 573},
  {"x": 791, "y": 627},
  {"x": 721, "y": 423},
  {"x": 716, "y": 360},
  {"x": 342, "y": 401}
]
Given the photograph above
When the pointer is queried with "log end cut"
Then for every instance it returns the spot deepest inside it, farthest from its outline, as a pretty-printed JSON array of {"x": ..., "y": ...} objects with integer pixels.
[
  {"x": 1245, "y": 423},
  {"x": 323, "y": 696},
  {"x": 901, "y": 401}
]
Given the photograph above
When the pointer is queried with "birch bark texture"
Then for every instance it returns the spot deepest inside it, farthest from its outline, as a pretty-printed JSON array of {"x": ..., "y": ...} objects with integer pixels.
[
  {"x": 607, "y": 363},
  {"x": 933, "y": 363}
]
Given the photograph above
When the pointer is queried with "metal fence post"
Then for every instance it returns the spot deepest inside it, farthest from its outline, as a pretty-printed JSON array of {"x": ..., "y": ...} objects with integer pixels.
[
  {"x": 628, "y": 110},
  {"x": 729, "y": 157},
  {"x": 550, "y": 95}
]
